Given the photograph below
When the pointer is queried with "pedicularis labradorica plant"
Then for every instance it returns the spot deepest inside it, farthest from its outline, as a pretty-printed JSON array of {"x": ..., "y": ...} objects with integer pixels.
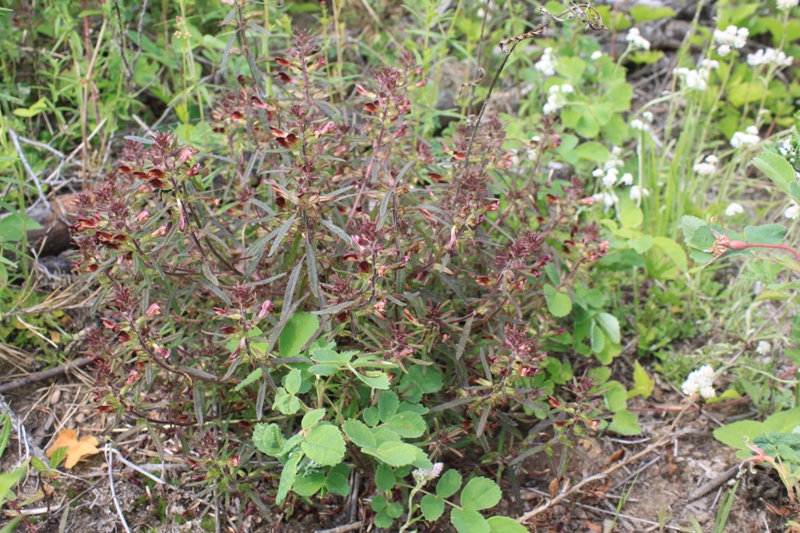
[{"x": 314, "y": 283}]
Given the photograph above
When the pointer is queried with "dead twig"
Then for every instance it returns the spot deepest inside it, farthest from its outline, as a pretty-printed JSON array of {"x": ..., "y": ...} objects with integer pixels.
[
  {"x": 110, "y": 461},
  {"x": 31, "y": 174},
  {"x": 705, "y": 488},
  {"x": 342, "y": 529},
  {"x": 45, "y": 374}
]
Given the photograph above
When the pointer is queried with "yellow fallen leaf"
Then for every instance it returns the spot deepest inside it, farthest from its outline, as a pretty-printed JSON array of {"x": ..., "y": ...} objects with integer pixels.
[{"x": 76, "y": 449}]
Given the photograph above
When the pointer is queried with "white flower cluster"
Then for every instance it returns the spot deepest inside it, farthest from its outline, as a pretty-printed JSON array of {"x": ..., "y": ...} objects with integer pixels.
[
  {"x": 557, "y": 99},
  {"x": 707, "y": 166},
  {"x": 748, "y": 138},
  {"x": 697, "y": 79},
  {"x": 731, "y": 38},
  {"x": 423, "y": 476},
  {"x": 642, "y": 125},
  {"x": 637, "y": 193},
  {"x": 786, "y": 5},
  {"x": 609, "y": 174},
  {"x": 793, "y": 211},
  {"x": 700, "y": 381},
  {"x": 734, "y": 209},
  {"x": 546, "y": 64},
  {"x": 764, "y": 348},
  {"x": 767, "y": 56},
  {"x": 637, "y": 41}
]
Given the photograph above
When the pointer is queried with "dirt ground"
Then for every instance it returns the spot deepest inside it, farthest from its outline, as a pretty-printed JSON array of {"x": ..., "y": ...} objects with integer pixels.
[{"x": 665, "y": 481}]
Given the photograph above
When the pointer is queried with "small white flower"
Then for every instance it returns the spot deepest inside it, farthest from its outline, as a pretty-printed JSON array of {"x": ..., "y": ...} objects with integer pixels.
[
  {"x": 712, "y": 159},
  {"x": 764, "y": 348},
  {"x": 626, "y": 179},
  {"x": 637, "y": 193},
  {"x": 639, "y": 125},
  {"x": 700, "y": 381},
  {"x": 710, "y": 64},
  {"x": 423, "y": 476},
  {"x": 567, "y": 88},
  {"x": 610, "y": 179},
  {"x": 733, "y": 210},
  {"x": 598, "y": 173},
  {"x": 546, "y": 64},
  {"x": 786, "y": 5},
  {"x": 637, "y": 41},
  {"x": 704, "y": 169},
  {"x": 536, "y": 139},
  {"x": 749, "y": 138},
  {"x": 732, "y": 37},
  {"x": 793, "y": 211},
  {"x": 693, "y": 79},
  {"x": 648, "y": 117},
  {"x": 768, "y": 56},
  {"x": 616, "y": 150},
  {"x": 597, "y": 54}
]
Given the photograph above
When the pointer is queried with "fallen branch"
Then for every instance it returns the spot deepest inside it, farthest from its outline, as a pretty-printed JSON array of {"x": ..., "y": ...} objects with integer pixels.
[
  {"x": 45, "y": 374},
  {"x": 342, "y": 529}
]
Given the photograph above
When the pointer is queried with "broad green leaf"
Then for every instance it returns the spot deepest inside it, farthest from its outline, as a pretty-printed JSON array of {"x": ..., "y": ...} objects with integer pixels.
[
  {"x": 765, "y": 234},
  {"x": 252, "y": 377},
  {"x": 14, "y": 226},
  {"x": 642, "y": 244},
  {"x": 616, "y": 396},
  {"x": 448, "y": 484},
  {"x": 378, "y": 503},
  {"x": 407, "y": 424},
  {"x": 610, "y": 325},
  {"x": 324, "y": 444},
  {"x": 746, "y": 92},
  {"x": 625, "y": 423},
  {"x": 293, "y": 381},
  {"x": 432, "y": 507},
  {"x": 297, "y": 332},
  {"x": 337, "y": 483},
  {"x": 777, "y": 169},
  {"x": 309, "y": 484},
  {"x": 9, "y": 479},
  {"x": 643, "y": 384},
  {"x": 597, "y": 337},
  {"x": 558, "y": 303},
  {"x": 503, "y": 524},
  {"x": 383, "y": 520},
  {"x": 268, "y": 439},
  {"x": 468, "y": 521},
  {"x": 359, "y": 434},
  {"x": 480, "y": 493},
  {"x": 286, "y": 403},
  {"x": 673, "y": 251},
  {"x": 571, "y": 67},
  {"x": 384, "y": 478},
  {"x": 388, "y": 404},
  {"x": 394, "y": 510},
  {"x": 312, "y": 417},
  {"x": 643, "y": 13},
  {"x": 690, "y": 225},
  {"x": 394, "y": 453},
  {"x": 327, "y": 355},
  {"x": 593, "y": 151},
  {"x": 58, "y": 456},
  {"x": 288, "y": 477},
  {"x": 631, "y": 217}
]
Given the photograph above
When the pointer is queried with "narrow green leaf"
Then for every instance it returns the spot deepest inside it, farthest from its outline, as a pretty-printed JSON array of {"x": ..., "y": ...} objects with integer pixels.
[
  {"x": 312, "y": 417},
  {"x": 252, "y": 377},
  {"x": 288, "y": 477},
  {"x": 296, "y": 333}
]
